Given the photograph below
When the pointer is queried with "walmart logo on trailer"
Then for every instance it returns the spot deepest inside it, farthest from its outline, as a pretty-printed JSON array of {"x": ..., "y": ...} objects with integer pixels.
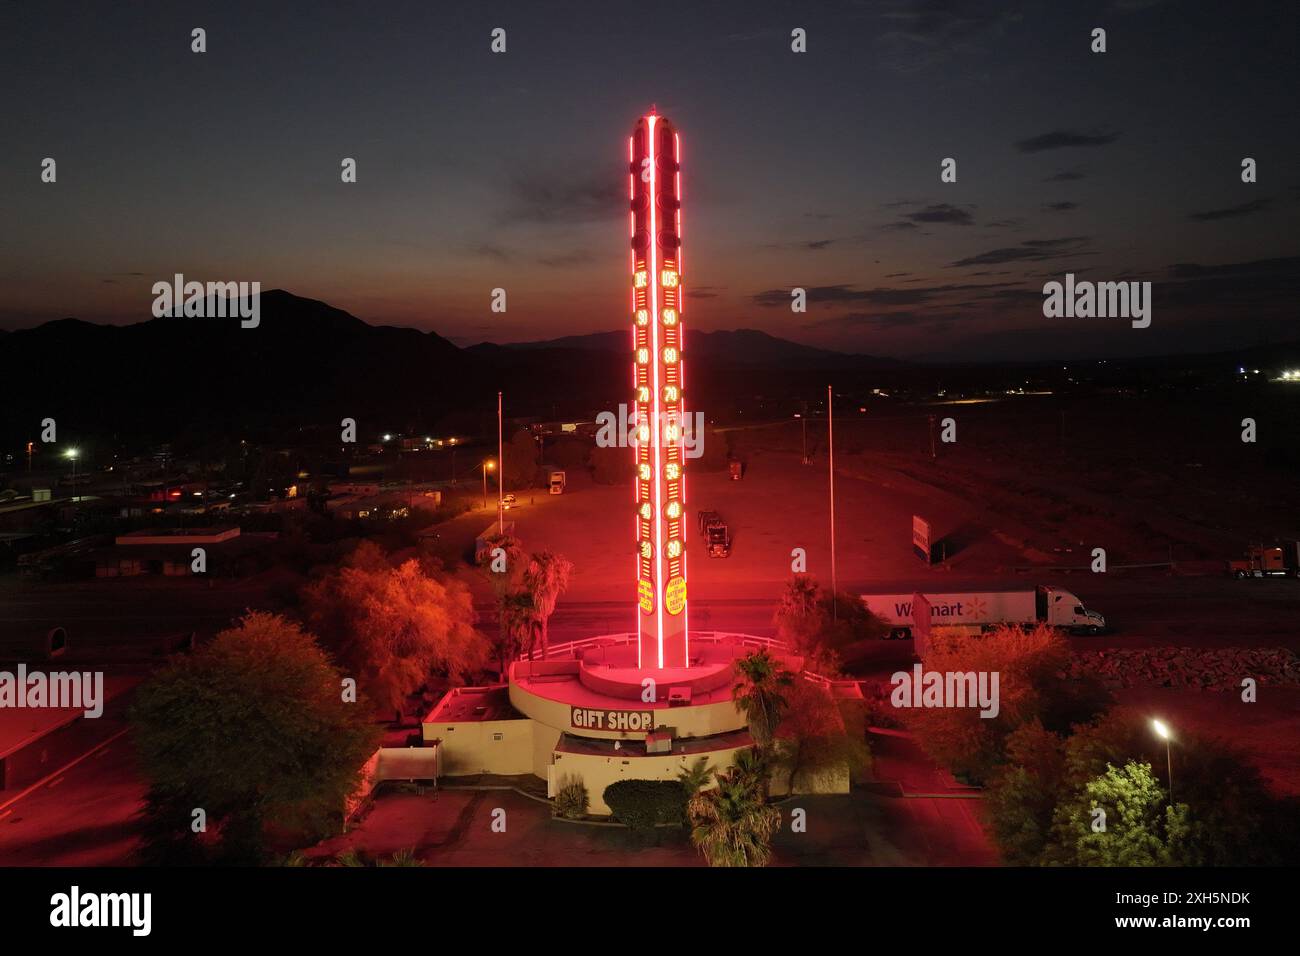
[{"x": 974, "y": 609}]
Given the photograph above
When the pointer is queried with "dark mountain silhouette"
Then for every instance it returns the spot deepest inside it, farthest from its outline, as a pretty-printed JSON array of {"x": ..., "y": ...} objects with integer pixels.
[{"x": 308, "y": 365}]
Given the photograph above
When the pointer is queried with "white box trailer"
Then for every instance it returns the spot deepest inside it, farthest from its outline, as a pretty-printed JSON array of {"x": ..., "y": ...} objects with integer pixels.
[{"x": 983, "y": 610}]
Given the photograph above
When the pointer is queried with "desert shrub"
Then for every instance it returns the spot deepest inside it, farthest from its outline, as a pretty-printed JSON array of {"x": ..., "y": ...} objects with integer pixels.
[
  {"x": 571, "y": 801},
  {"x": 643, "y": 804},
  {"x": 1030, "y": 665}
]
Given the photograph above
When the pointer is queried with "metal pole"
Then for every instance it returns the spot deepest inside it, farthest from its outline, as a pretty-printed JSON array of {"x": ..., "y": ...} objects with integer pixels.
[
  {"x": 485, "y": 484},
  {"x": 932, "y": 455},
  {"x": 803, "y": 423},
  {"x": 1169, "y": 763},
  {"x": 501, "y": 475},
  {"x": 830, "y": 444}
]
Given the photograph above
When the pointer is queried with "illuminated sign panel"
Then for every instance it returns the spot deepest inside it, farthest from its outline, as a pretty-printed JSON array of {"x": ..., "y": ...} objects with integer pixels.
[{"x": 654, "y": 189}]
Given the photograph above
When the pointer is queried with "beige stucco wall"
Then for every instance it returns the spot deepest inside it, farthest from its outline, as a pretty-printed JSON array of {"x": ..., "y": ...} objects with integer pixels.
[
  {"x": 598, "y": 772},
  {"x": 471, "y": 747}
]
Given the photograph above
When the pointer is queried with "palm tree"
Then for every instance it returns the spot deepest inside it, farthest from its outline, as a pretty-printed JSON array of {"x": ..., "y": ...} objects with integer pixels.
[
  {"x": 520, "y": 625},
  {"x": 750, "y": 767},
  {"x": 547, "y": 577},
  {"x": 799, "y": 616},
  {"x": 759, "y": 695},
  {"x": 731, "y": 825}
]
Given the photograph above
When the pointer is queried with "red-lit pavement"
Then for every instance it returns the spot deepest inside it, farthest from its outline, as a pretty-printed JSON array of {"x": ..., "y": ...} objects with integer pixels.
[{"x": 82, "y": 816}]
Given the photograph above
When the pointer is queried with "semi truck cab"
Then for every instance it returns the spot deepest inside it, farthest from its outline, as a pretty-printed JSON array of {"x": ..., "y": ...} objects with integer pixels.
[{"x": 1060, "y": 608}]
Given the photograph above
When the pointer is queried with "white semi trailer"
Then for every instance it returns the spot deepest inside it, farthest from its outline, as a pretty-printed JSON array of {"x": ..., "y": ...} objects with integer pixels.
[{"x": 981, "y": 610}]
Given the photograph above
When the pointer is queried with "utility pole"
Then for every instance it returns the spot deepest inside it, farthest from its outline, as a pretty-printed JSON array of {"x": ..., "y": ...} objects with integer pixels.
[
  {"x": 803, "y": 423},
  {"x": 501, "y": 475},
  {"x": 830, "y": 445}
]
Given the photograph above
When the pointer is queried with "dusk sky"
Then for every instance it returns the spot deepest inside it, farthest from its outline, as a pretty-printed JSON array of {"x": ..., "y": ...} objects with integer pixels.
[{"x": 818, "y": 170}]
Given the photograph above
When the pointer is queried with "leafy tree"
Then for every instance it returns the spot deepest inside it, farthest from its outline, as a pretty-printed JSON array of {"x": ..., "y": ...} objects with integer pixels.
[
  {"x": 611, "y": 466},
  {"x": 1141, "y": 828},
  {"x": 521, "y": 465},
  {"x": 1235, "y": 820},
  {"x": 1030, "y": 665},
  {"x": 759, "y": 693},
  {"x": 252, "y": 728},
  {"x": 393, "y": 627},
  {"x": 567, "y": 452},
  {"x": 814, "y": 738},
  {"x": 546, "y": 577},
  {"x": 731, "y": 824},
  {"x": 1022, "y": 796},
  {"x": 818, "y": 627}
]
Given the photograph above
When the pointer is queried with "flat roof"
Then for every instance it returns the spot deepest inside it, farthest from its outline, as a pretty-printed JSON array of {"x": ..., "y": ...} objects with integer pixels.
[{"x": 473, "y": 704}]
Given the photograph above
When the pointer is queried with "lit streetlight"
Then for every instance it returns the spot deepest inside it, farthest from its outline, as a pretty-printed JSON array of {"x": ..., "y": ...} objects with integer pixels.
[
  {"x": 72, "y": 453},
  {"x": 1162, "y": 731},
  {"x": 488, "y": 465}
]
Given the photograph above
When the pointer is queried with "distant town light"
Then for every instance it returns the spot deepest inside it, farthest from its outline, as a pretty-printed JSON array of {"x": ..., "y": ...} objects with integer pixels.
[{"x": 388, "y": 438}]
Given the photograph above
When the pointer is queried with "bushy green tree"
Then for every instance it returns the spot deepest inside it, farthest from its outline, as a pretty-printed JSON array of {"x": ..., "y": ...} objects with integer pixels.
[
  {"x": 253, "y": 729},
  {"x": 1022, "y": 795},
  {"x": 1139, "y": 827}
]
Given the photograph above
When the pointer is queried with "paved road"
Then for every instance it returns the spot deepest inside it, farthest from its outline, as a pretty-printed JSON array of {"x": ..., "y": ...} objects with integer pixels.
[{"x": 84, "y": 816}]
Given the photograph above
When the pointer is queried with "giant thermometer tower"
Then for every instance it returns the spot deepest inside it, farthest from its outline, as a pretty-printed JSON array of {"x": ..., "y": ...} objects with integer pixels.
[{"x": 655, "y": 189}]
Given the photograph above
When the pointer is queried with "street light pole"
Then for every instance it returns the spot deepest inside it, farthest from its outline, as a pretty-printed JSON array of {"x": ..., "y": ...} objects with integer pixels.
[
  {"x": 830, "y": 445},
  {"x": 501, "y": 458},
  {"x": 803, "y": 424},
  {"x": 1163, "y": 732}
]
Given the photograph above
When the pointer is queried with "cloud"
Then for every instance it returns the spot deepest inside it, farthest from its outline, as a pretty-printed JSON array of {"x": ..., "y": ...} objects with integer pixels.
[
  {"x": 565, "y": 260},
  {"x": 537, "y": 199},
  {"x": 1287, "y": 265},
  {"x": 1064, "y": 176},
  {"x": 1060, "y": 206},
  {"x": 1063, "y": 138},
  {"x": 1232, "y": 212},
  {"x": 1031, "y": 250},
  {"x": 916, "y": 34},
  {"x": 887, "y": 295},
  {"x": 902, "y": 318},
  {"x": 942, "y": 212}
]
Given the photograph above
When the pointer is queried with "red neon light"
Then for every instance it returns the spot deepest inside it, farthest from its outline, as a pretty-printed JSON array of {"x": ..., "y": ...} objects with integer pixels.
[{"x": 657, "y": 341}]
